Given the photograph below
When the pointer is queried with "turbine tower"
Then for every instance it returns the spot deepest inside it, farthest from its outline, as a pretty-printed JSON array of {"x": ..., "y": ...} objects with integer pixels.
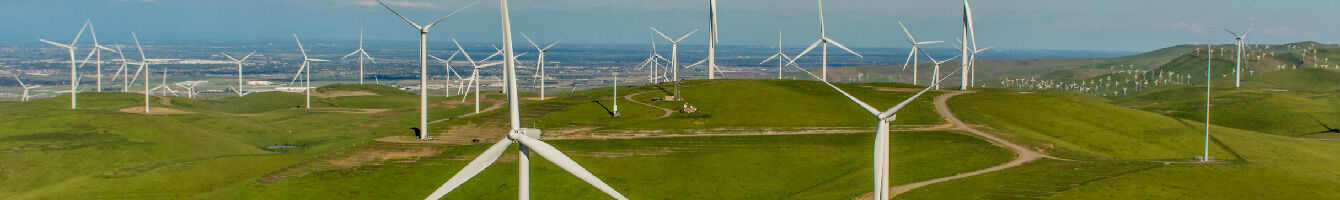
[
  {"x": 616, "y": 94},
  {"x": 1208, "y": 80},
  {"x": 881, "y": 150},
  {"x": 1237, "y": 71},
  {"x": 74, "y": 72},
  {"x": 361, "y": 55},
  {"x": 239, "y": 70},
  {"x": 823, "y": 38},
  {"x": 540, "y": 61},
  {"x": 674, "y": 56},
  {"x": 912, "y": 56},
  {"x": 711, "y": 40},
  {"x": 423, "y": 63},
  {"x": 528, "y": 137}
]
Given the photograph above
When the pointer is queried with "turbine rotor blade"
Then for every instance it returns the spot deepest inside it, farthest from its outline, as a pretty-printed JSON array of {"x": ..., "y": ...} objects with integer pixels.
[
  {"x": 425, "y": 28},
  {"x": 473, "y": 168},
  {"x": 563, "y": 161},
  {"x": 658, "y": 32},
  {"x": 681, "y": 38},
  {"x": 839, "y": 45},
  {"x": 807, "y": 50},
  {"x": 397, "y": 14}
]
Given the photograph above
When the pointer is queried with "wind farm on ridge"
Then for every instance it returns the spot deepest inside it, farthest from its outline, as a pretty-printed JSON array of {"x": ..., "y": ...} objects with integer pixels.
[{"x": 1220, "y": 116}]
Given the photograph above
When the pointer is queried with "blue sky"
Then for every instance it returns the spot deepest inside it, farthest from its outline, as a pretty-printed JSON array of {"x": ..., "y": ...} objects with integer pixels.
[{"x": 1127, "y": 25}]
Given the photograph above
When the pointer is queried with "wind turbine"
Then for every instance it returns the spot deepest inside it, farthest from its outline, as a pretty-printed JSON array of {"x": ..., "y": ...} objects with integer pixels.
[
  {"x": 881, "y": 150},
  {"x": 781, "y": 57},
  {"x": 447, "y": 64},
  {"x": 163, "y": 86},
  {"x": 654, "y": 62},
  {"x": 423, "y": 62},
  {"x": 540, "y": 61},
  {"x": 97, "y": 51},
  {"x": 936, "y": 72},
  {"x": 361, "y": 55},
  {"x": 74, "y": 73},
  {"x": 528, "y": 137},
  {"x": 306, "y": 72},
  {"x": 968, "y": 34},
  {"x": 912, "y": 56},
  {"x": 474, "y": 76},
  {"x": 25, "y": 88},
  {"x": 1237, "y": 71},
  {"x": 239, "y": 70},
  {"x": 122, "y": 72},
  {"x": 711, "y": 40},
  {"x": 674, "y": 56},
  {"x": 144, "y": 67},
  {"x": 823, "y": 39}
]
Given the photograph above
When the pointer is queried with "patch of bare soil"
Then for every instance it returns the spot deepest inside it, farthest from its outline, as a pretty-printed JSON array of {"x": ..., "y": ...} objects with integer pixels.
[
  {"x": 374, "y": 156},
  {"x": 461, "y": 135},
  {"x": 154, "y": 111}
]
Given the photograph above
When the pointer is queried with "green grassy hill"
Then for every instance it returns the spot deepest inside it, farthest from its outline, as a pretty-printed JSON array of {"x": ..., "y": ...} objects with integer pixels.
[
  {"x": 98, "y": 151},
  {"x": 1290, "y": 167}
]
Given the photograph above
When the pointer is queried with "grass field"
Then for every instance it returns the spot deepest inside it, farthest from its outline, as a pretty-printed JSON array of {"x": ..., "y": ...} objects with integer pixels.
[
  {"x": 1292, "y": 168},
  {"x": 97, "y": 151},
  {"x": 760, "y": 167}
]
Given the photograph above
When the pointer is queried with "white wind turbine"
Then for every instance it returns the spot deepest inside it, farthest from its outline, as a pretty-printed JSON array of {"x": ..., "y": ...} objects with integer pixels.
[
  {"x": 711, "y": 40},
  {"x": 936, "y": 71},
  {"x": 528, "y": 137},
  {"x": 423, "y": 62},
  {"x": 447, "y": 64},
  {"x": 1237, "y": 71},
  {"x": 674, "y": 57},
  {"x": 474, "y": 76},
  {"x": 305, "y": 71},
  {"x": 781, "y": 57},
  {"x": 653, "y": 62},
  {"x": 912, "y": 56},
  {"x": 361, "y": 55},
  {"x": 968, "y": 56},
  {"x": 97, "y": 52},
  {"x": 823, "y": 39},
  {"x": 74, "y": 73},
  {"x": 881, "y": 150},
  {"x": 163, "y": 86},
  {"x": 144, "y": 67},
  {"x": 122, "y": 72},
  {"x": 25, "y": 88},
  {"x": 540, "y": 61},
  {"x": 239, "y": 70}
]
